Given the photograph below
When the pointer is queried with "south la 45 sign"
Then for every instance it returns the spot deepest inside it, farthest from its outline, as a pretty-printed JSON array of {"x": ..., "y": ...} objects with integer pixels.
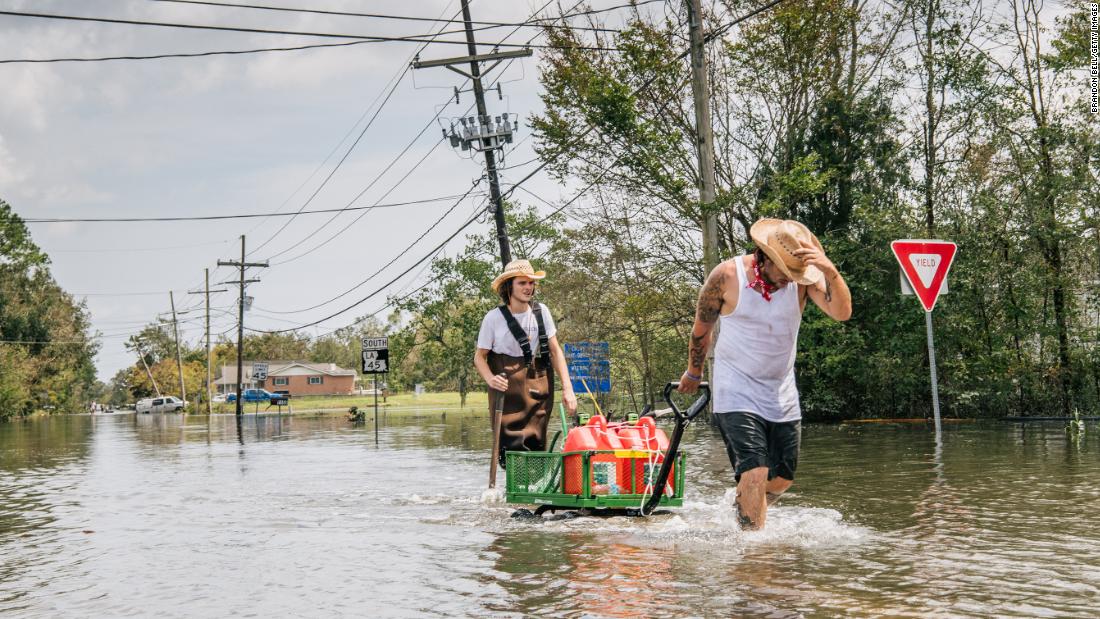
[
  {"x": 925, "y": 264},
  {"x": 376, "y": 355}
]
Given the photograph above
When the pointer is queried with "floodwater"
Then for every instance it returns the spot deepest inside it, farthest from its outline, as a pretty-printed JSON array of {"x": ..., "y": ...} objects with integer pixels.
[{"x": 166, "y": 516}]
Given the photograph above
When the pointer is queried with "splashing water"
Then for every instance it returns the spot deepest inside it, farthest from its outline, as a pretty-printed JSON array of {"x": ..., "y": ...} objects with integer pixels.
[{"x": 492, "y": 496}]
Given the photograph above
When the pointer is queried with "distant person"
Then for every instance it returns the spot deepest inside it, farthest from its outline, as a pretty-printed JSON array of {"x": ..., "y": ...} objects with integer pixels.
[
  {"x": 518, "y": 354},
  {"x": 759, "y": 299}
]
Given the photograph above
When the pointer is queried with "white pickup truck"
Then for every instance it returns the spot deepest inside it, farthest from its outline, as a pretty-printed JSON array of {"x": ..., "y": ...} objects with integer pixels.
[{"x": 166, "y": 404}]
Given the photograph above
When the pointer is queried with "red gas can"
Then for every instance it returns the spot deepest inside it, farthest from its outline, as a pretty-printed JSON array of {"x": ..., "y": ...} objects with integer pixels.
[
  {"x": 595, "y": 436},
  {"x": 645, "y": 437}
]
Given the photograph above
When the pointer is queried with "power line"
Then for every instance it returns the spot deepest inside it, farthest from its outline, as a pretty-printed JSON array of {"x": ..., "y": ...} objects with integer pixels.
[
  {"x": 116, "y": 294},
  {"x": 419, "y": 38},
  {"x": 403, "y": 252},
  {"x": 182, "y": 54},
  {"x": 133, "y": 249},
  {"x": 388, "y": 167},
  {"x": 389, "y": 303},
  {"x": 344, "y": 229},
  {"x": 645, "y": 85},
  {"x": 404, "y": 69},
  {"x": 487, "y": 24},
  {"x": 45, "y": 220},
  {"x": 394, "y": 259},
  {"x": 340, "y": 163},
  {"x": 387, "y": 284},
  {"x": 538, "y": 23}
]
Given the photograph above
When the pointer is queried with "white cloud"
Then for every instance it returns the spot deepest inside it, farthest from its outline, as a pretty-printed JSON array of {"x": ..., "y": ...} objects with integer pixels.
[{"x": 10, "y": 172}]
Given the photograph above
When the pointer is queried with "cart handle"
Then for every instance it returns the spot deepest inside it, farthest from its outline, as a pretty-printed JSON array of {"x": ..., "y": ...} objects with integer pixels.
[{"x": 696, "y": 407}]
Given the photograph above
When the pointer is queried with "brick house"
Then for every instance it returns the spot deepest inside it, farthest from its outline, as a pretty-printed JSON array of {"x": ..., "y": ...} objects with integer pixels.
[{"x": 297, "y": 377}]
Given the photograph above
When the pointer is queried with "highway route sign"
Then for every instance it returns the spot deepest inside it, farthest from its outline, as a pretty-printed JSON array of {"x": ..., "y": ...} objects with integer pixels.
[{"x": 376, "y": 355}]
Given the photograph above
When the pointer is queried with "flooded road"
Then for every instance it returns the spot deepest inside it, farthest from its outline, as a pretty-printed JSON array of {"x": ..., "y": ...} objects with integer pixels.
[{"x": 166, "y": 516}]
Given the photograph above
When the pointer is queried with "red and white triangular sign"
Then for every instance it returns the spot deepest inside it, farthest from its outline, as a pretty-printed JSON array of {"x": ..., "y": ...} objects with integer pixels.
[{"x": 925, "y": 264}]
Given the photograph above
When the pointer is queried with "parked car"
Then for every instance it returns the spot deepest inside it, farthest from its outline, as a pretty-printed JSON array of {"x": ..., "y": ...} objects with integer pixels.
[
  {"x": 165, "y": 404},
  {"x": 260, "y": 395},
  {"x": 219, "y": 397}
]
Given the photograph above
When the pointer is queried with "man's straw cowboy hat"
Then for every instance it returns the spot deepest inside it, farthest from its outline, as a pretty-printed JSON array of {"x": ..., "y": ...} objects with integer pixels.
[
  {"x": 779, "y": 238},
  {"x": 517, "y": 268}
]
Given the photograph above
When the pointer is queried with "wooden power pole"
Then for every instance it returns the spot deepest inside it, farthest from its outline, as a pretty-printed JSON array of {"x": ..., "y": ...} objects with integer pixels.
[
  {"x": 206, "y": 291},
  {"x": 704, "y": 146},
  {"x": 148, "y": 372},
  {"x": 241, "y": 281},
  {"x": 179, "y": 359},
  {"x": 482, "y": 133},
  {"x": 704, "y": 142}
]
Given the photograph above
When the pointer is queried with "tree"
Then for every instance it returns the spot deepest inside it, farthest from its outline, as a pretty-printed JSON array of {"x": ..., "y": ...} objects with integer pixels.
[
  {"x": 46, "y": 358},
  {"x": 283, "y": 346}
]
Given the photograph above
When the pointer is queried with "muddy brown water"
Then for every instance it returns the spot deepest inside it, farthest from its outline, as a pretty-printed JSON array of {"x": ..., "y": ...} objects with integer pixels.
[{"x": 170, "y": 516}]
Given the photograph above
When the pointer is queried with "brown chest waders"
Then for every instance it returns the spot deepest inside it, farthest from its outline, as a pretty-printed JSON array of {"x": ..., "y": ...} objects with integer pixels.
[{"x": 530, "y": 395}]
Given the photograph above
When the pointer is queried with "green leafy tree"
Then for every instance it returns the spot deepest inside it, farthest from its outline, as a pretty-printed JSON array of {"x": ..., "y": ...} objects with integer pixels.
[{"x": 46, "y": 363}]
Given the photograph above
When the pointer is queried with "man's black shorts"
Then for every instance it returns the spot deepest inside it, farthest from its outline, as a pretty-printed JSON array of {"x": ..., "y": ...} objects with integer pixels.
[{"x": 752, "y": 441}]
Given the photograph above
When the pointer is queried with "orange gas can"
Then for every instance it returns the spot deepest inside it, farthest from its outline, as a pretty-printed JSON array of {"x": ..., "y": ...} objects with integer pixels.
[
  {"x": 605, "y": 475},
  {"x": 643, "y": 437}
]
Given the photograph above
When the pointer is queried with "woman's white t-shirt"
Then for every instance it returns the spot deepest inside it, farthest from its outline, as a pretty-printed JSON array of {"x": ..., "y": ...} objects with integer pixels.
[{"x": 497, "y": 337}]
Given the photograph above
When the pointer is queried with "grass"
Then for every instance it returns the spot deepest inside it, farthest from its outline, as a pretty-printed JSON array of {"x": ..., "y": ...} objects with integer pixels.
[
  {"x": 405, "y": 401},
  {"x": 476, "y": 401}
]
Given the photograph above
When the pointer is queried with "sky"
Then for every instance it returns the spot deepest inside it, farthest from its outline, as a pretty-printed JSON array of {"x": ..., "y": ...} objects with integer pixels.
[{"x": 245, "y": 134}]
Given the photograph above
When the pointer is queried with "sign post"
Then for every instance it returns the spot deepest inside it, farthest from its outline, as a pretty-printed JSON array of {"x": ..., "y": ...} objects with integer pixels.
[
  {"x": 376, "y": 360},
  {"x": 925, "y": 264}
]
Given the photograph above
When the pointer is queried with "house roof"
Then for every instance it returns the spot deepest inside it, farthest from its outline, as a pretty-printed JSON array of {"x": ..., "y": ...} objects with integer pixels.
[
  {"x": 228, "y": 375},
  {"x": 330, "y": 369}
]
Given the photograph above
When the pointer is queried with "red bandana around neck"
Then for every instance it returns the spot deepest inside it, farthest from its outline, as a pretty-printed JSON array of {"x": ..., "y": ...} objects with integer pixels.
[{"x": 759, "y": 284}]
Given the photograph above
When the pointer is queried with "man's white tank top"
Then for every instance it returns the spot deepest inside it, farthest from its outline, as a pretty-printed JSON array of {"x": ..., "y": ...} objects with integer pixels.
[{"x": 754, "y": 355}]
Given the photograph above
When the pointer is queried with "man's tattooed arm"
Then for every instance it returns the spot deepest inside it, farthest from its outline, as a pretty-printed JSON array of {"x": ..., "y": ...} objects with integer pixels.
[
  {"x": 697, "y": 352},
  {"x": 706, "y": 313},
  {"x": 710, "y": 297}
]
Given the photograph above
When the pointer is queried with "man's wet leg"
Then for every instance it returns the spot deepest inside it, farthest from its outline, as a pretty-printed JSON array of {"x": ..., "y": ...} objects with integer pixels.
[
  {"x": 752, "y": 506},
  {"x": 775, "y": 489}
]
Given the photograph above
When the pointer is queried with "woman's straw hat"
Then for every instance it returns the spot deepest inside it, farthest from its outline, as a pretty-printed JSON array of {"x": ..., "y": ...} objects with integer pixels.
[
  {"x": 517, "y": 268},
  {"x": 779, "y": 238}
]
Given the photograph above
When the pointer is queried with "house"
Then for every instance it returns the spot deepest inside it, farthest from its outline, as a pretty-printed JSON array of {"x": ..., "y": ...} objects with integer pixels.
[{"x": 298, "y": 377}]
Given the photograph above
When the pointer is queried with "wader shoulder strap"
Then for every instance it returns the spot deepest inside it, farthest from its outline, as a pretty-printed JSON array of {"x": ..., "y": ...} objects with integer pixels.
[
  {"x": 544, "y": 342},
  {"x": 521, "y": 335}
]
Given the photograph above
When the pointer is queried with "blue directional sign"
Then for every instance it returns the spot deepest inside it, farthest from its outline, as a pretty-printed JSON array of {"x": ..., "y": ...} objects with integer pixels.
[{"x": 589, "y": 364}]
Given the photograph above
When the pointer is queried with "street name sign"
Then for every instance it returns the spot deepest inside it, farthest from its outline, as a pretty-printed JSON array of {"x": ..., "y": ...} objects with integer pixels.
[
  {"x": 376, "y": 355},
  {"x": 925, "y": 264},
  {"x": 259, "y": 371}
]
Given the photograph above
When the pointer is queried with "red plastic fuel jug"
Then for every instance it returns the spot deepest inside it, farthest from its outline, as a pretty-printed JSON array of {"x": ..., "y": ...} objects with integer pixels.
[
  {"x": 595, "y": 436},
  {"x": 644, "y": 436}
]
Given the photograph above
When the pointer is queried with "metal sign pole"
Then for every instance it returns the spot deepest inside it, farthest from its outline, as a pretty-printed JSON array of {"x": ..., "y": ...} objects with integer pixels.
[
  {"x": 932, "y": 369},
  {"x": 924, "y": 265}
]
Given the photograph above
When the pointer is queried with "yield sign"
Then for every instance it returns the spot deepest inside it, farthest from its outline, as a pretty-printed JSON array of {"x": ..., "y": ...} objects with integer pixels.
[{"x": 925, "y": 264}]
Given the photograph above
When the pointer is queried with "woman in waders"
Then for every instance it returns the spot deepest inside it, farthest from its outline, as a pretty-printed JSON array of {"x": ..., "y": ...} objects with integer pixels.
[{"x": 517, "y": 356}]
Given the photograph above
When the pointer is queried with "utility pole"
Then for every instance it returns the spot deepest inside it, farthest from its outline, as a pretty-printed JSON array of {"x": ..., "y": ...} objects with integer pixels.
[
  {"x": 179, "y": 360},
  {"x": 241, "y": 281},
  {"x": 481, "y": 133},
  {"x": 704, "y": 143},
  {"x": 207, "y": 291},
  {"x": 704, "y": 146},
  {"x": 148, "y": 372}
]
